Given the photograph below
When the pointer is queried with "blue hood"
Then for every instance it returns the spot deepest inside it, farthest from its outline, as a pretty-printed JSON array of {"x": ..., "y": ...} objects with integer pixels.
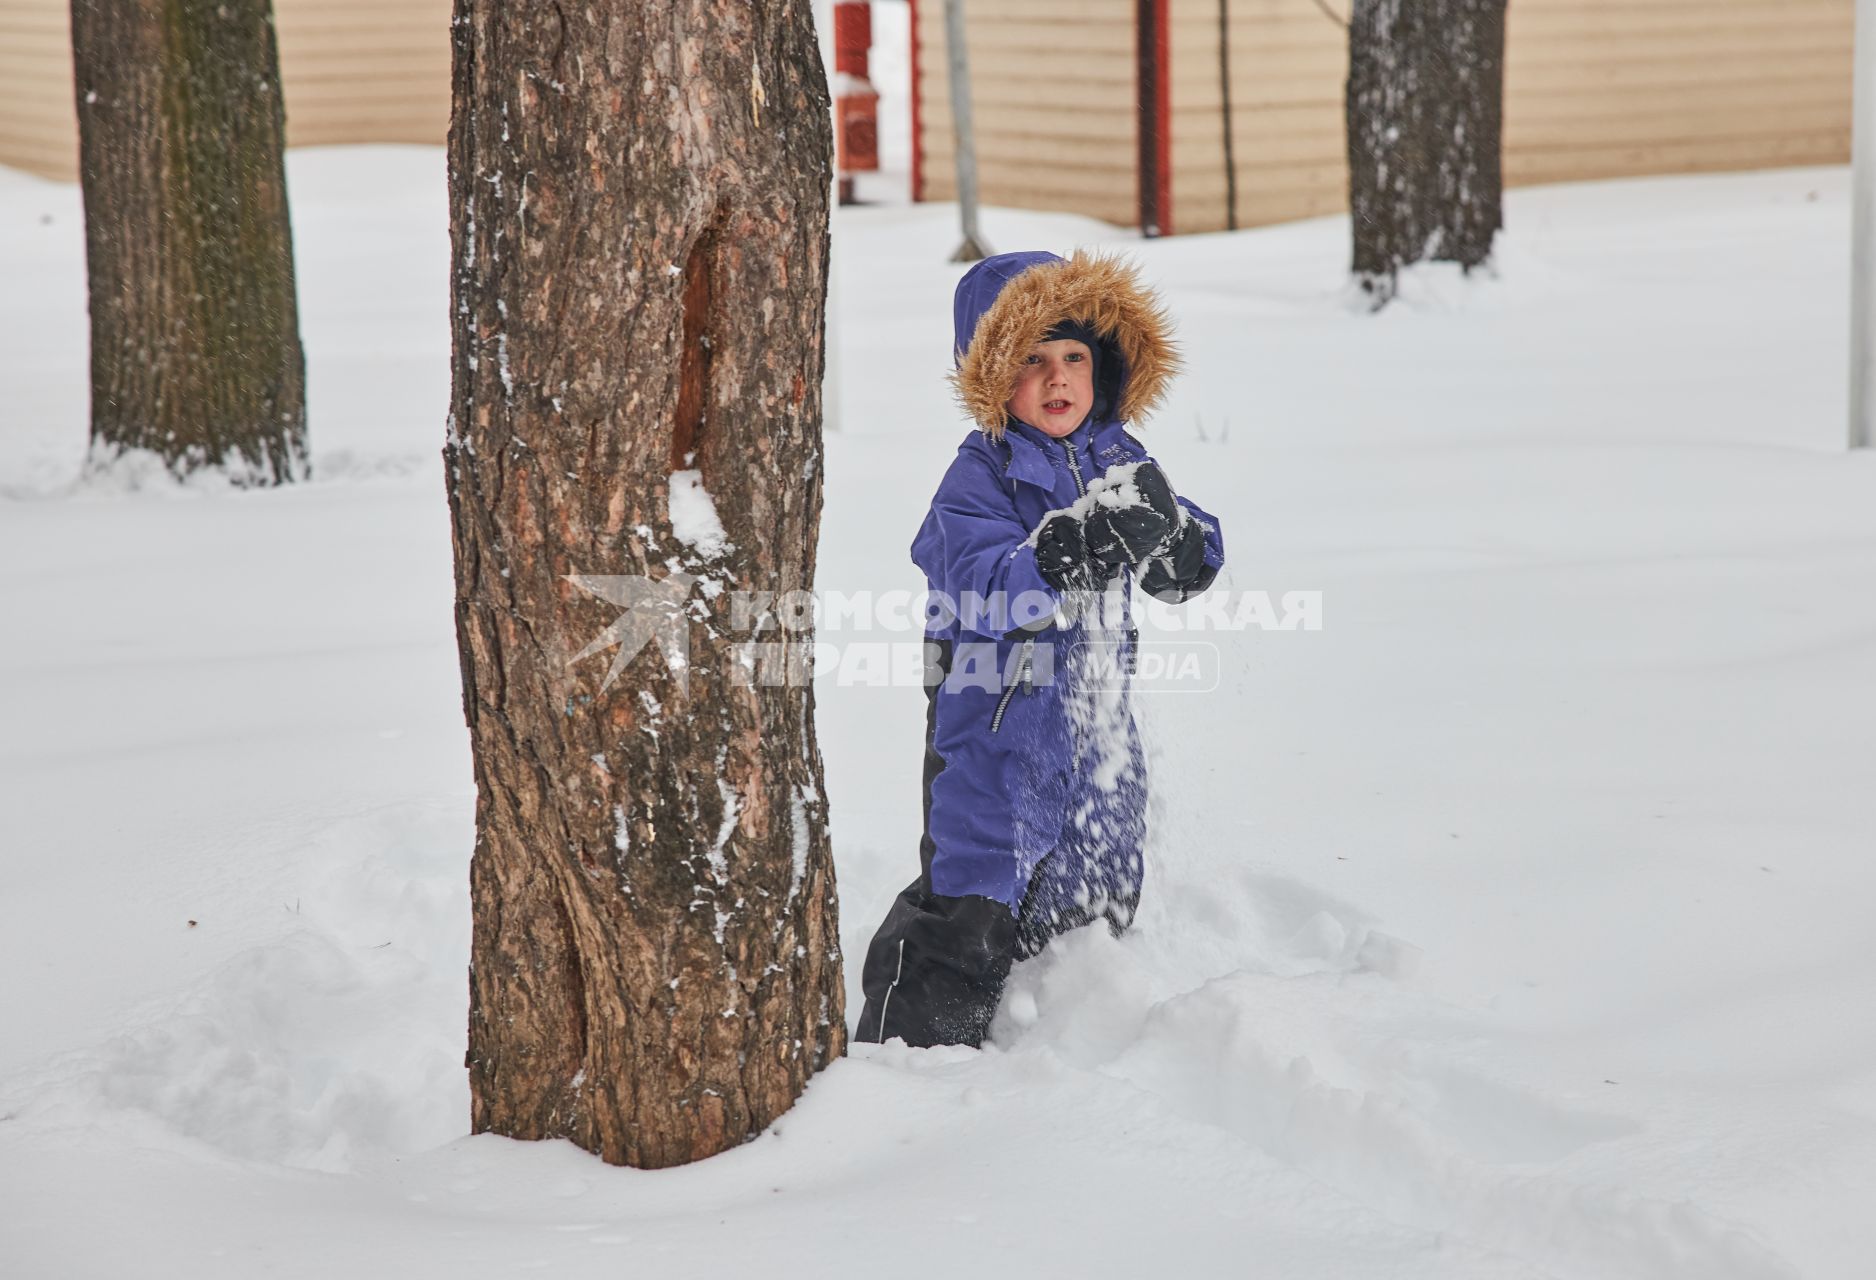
[
  {"x": 987, "y": 282},
  {"x": 980, "y": 287}
]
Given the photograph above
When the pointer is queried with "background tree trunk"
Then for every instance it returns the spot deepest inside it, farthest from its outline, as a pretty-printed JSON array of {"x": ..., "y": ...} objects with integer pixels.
[
  {"x": 195, "y": 337},
  {"x": 639, "y": 214},
  {"x": 1426, "y": 82}
]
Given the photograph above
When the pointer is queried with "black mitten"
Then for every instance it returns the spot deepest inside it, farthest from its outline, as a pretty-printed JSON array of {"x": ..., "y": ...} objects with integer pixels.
[
  {"x": 1123, "y": 536},
  {"x": 1157, "y": 493},
  {"x": 1120, "y": 536},
  {"x": 1181, "y": 572},
  {"x": 1062, "y": 554}
]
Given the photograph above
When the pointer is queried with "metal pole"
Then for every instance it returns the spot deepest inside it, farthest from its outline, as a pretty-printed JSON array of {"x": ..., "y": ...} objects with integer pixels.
[
  {"x": 1224, "y": 92},
  {"x": 1863, "y": 234},
  {"x": 960, "y": 74}
]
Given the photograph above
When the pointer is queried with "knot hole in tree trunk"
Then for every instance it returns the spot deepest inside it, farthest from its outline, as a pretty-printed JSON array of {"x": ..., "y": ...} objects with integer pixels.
[{"x": 694, "y": 354}]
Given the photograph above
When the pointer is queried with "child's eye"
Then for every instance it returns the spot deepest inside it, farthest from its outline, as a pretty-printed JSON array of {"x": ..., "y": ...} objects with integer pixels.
[
  {"x": 1076, "y": 356},
  {"x": 1032, "y": 358}
]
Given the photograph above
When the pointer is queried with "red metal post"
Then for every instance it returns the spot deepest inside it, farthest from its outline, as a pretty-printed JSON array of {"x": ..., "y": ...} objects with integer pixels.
[
  {"x": 856, "y": 103},
  {"x": 918, "y": 88}
]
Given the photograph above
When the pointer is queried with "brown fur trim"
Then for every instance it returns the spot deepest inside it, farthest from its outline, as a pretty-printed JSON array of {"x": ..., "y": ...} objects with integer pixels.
[{"x": 1101, "y": 291}]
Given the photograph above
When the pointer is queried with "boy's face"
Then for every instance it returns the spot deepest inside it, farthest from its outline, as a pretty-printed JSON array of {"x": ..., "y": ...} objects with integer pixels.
[{"x": 1055, "y": 389}]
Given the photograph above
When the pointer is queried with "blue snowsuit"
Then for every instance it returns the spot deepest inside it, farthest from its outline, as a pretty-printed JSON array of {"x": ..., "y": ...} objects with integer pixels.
[{"x": 1035, "y": 783}]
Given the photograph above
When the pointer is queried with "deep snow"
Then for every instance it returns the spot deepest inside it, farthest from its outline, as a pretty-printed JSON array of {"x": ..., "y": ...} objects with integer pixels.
[{"x": 1514, "y": 923}]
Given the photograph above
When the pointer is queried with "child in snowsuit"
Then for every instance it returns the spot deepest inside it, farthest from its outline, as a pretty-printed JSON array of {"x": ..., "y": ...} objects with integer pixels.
[{"x": 1035, "y": 787}]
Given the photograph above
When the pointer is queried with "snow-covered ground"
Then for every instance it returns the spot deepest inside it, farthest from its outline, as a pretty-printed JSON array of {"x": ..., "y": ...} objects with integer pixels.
[{"x": 1515, "y": 923}]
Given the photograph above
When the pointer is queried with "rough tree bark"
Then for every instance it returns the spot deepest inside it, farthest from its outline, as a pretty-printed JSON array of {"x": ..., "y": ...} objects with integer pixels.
[
  {"x": 1425, "y": 114},
  {"x": 639, "y": 215},
  {"x": 195, "y": 338}
]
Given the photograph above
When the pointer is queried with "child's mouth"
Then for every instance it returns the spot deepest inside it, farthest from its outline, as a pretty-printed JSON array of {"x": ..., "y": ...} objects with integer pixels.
[{"x": 1056, "y": 406}]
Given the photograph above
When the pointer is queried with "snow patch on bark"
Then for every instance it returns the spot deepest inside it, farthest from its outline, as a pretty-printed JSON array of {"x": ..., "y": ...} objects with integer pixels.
[
  {"x": 621, "y": 830},
  {"x": 732, "y": 807},
  {"x": 797, "y": 840},
  {"x": 694, "y": 518}
]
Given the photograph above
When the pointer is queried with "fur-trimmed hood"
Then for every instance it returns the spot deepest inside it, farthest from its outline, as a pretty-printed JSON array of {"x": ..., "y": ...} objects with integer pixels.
[{"x": 1008, "y": 303}]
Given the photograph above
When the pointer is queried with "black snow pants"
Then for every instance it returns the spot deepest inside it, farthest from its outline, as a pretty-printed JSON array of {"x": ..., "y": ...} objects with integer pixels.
[{"x": 935, "y": 970}]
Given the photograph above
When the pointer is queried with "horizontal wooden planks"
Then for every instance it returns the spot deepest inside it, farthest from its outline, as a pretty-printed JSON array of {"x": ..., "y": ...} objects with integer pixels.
[
  {"x": 1594, "y": 88},
  {"x": 1309, "y": 130},
  {"x": 38, "y": 114},
  {"x": 1689, "y": 155},
  {"x": 356, "y": 71},
  {"x": 352, "y": 70},
  {"x": 1053, "y": 104},
  {"x": 1108, "y": 205}
]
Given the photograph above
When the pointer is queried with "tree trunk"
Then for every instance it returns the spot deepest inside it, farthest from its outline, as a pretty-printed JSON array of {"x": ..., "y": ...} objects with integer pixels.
[
  {"x": 195, "y": 338},
  {"x": 1425, "y": 113},
  {"x": 639, "y": 215}
]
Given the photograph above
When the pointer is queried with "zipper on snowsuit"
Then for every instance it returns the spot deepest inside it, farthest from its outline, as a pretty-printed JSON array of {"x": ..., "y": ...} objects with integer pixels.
[
  {"x": 1029, "y": 645},
  {"x": 1074, "y": 467},
  {"x": 1022, "y": 682}
]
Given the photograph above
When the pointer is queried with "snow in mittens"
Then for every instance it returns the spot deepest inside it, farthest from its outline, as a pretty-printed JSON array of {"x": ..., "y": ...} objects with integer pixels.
[
  {"x": 1114, "y": 490},
  {"x": 1512, "y": 923}
]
